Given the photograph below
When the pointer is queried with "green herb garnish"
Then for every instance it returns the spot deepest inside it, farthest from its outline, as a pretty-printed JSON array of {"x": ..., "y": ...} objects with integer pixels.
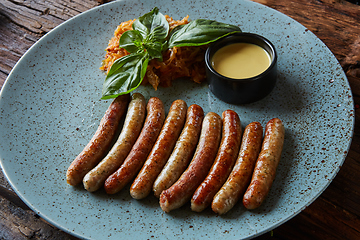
[{"x": 149, "y": 38}]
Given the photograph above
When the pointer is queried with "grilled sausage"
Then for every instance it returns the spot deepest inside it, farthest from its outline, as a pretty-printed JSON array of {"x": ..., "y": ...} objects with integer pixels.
[
  {"x": 266, "y": 164},
  {"x": 223, "y": 164},
  {"x": 100, "y": 143},
  {"x": 240, "y": 177},
  {"x": 183, "y": 150},
  {"x": 161, "y": 151},
  {"x": 182, "y": 190},
  {"x": 134, "y": 120},
  {"x": 142, "y": 147}
]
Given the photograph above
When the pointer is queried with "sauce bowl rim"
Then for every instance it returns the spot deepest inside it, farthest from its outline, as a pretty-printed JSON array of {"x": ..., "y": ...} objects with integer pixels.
[{"x": 219, "y": 44}]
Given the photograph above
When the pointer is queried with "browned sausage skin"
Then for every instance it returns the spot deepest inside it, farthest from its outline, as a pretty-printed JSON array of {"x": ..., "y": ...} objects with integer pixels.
[
  {"x": 134, "y": 161},
  {"x": 266, "y": 164},
  {"x": 223, "y": 164},
  {"x": 182, "y": 190},
  {"x": 100, "y": 143},
  {"x": 239, "y": 179},
  {"x": 134, "y": 120},
  {"x": 174, "y": 123},
  {"x": 183, "y": 150}
]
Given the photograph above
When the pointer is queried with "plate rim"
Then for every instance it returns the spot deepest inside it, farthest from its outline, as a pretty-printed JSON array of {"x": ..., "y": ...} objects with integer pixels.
[{"x": 43, "y": 38}]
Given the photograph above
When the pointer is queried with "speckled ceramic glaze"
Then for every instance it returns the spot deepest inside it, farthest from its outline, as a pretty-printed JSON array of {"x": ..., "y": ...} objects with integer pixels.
[{"x": 50, "y": 108}]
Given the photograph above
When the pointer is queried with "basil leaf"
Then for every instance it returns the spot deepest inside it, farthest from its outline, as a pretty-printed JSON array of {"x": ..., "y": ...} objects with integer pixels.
[
  {"x": 199, "y": 32},
  {"x": 125, "y": 75},
  {"x": 148, "y": 40},
  {"x": 131, "y": 40},
  {"x": 154, "y": 49},
  {"x": 152, "y": 26}
]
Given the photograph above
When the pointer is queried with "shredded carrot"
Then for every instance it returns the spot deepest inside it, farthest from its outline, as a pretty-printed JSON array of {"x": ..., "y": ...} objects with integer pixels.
[{"x": 178, "y": 62}]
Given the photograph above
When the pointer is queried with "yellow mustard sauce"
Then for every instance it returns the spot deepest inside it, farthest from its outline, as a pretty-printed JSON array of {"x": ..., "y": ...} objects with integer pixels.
[{"x": 241, "y": 60}]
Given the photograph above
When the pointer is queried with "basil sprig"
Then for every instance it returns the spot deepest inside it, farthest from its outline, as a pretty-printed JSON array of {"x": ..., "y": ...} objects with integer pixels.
[
  {"x": 149, "y": 38},
  {"x": 199, "y": 32}
]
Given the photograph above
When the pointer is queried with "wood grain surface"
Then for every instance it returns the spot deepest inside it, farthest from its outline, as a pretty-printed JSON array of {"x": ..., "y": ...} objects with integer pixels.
[{"x": 334, "y": 215}]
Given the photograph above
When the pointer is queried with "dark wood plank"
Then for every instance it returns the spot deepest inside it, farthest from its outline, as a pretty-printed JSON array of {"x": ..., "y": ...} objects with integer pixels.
[
  {"x": 17, "y": 223},
  {"x": 12, "y": 197},
  {"x": 339, "y": 30},
  {"x": 334, "y": 215},
  {"x": 315, "y": 222},
  {"x": 343, "y": 191},
  {"x": 14, "y": 41},
  {"x": 22, "y": 23}
]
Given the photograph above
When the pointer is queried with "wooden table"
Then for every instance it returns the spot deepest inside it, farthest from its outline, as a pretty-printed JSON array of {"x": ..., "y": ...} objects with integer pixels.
[{"x": 334, "y": 215}]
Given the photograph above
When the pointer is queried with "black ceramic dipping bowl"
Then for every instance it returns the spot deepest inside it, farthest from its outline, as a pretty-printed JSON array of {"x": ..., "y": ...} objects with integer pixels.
[{"x": 247, "y": 90}]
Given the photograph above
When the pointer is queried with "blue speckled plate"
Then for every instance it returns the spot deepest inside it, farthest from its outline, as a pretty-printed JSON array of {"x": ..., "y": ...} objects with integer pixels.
[{"x": 50, "y": 108}]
